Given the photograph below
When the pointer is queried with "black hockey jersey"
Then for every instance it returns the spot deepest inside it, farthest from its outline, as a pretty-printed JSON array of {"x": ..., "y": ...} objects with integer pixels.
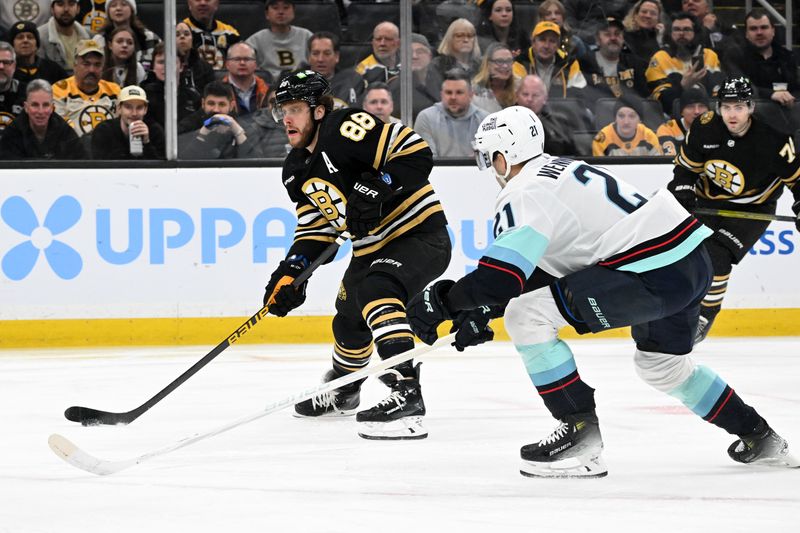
[
  {"x": 747, "y": 170},
  {"x": 352, "y": 142}
]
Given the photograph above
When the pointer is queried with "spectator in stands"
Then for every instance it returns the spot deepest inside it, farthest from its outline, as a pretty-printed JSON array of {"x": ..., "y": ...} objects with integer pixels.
[
  {"x": 61, "y": 34},
  {"x": 584, "y": 16},
  {"x": 495, "y": 85},
  {"x": 123, "y": 13},
  {"x": 281, "y": 46},
  {"x": 38, "y": 132},
  {"x": 347, "y": 85},
  {"x": 693, "y": 103},
  {"x": 426, "y": 81},
  {"x": 218, "y": 98},
  {"x": 561, "y": 73},
  {"x": 25, "y": 38},
  {"x": 610, "y": 71},
  {"x": 378, "y": 101},
  {"x": 12, "y": 92},
  {"x": 266, "y": 138},
  {"x": 210, "y": 37},
  {"x": 459, "y": 49},
  {"x": 250, "y": 90},
  {"x": 112, "y": 139},
  {"x": 644, "y": 31},
  {"x": 532, "y": 93},
  {"x": 195, "y": 71},
  {"x": 34, "y": 11},
  {"x": 92, "y": 15},
  {"x": 712, "y": 33},
  {"x": 554, "y": 11},
  {"x": 498, "y": 25},
  {"x": 85, "y": 100},
  {"x": 153, "y": 85},
  {"x": 384, "y": 62},
  {"x": 683, "y": 63},
  {"x": 450, "y": 125},
  {"x": 771, "y": 68},
  {"x": 120, "y": 64},
  {"x": 626, "y": 135}
]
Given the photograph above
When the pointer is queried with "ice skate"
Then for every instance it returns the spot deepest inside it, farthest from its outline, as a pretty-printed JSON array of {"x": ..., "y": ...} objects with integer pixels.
[
  {"x": 399, "y": 416},
  {"x": 339, "y": 402},
  {"x": 572, "y": 450},
  {"x": 703, "y": 327},
  {"x": 763, "y": 447}
]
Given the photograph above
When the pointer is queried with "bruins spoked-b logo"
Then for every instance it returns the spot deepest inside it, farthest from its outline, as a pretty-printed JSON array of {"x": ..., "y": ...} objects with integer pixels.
[
  {"x": 93, "y": 115},
  {"x": 26, "y": 9},
  {"x": 725, "y": 176},
  {"x": 328, "y": 199}
]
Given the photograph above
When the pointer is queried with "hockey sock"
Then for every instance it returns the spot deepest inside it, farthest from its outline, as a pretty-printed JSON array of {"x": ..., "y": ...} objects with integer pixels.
[
  {"x": 712, "y": 302},
  {"x": 391, "y": 332},
  {"x": 552, "y": 370},
  {"x": 352, "y": 346},
  {"x": 709, "y": 397}
]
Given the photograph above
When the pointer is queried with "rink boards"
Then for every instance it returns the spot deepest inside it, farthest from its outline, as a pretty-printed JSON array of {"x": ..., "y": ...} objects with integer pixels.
[{"x": 181, "y": 256}]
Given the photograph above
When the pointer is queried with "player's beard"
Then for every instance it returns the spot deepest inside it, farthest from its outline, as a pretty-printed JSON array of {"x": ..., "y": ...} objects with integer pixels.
[{"x": 307, "y": 135}]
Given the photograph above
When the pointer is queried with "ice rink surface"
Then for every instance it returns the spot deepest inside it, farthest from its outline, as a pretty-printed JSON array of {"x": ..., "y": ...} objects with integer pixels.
[{"x": 668, "y": 470}]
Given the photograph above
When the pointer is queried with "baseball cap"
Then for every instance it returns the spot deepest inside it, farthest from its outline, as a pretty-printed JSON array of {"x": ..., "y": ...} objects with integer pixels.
[
  {"x": 24, "y": 26},
  {"x": 132, "y": 92},
  {"x": 88, "y": 46},
  {"x": 546, "y": 25}
]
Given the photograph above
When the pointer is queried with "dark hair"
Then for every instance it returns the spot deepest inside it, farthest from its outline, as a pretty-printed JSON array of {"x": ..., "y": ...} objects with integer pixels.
[
  {"x": 136, "y": 25},
  {"x": 683, "y": 15},
  {"x": 159, "y": 50},
  {"x": 218, "y": 88},
  {"x": 457, "y": 74},
  {"x": 375, "y": 85},
  {"x": 324, "y": 35},
  {"x": 757, "y": 13},
  {"x": 131, "y": 63}
]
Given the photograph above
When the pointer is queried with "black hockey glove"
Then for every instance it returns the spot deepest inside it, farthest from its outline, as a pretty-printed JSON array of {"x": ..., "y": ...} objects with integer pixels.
[
  {"x": 796, "y": 209},
  {"x": 365, "y": 204},
  {"x": 685, "y": 196},
  {"x": 427, "y": 310},
  {"x": 472, "y": 327},
  {"x": 279, "y": 293}
]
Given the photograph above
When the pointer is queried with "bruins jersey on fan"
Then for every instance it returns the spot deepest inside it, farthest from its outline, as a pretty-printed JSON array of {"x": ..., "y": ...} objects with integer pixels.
[
  {"x": 608, "y": 142},
  {"x": 352, "y": 142},
  {"x": 11, "y": 103},
  {"x": 84, "y": 111},
  {"x": 670, "y": 136},
  {"x": 744, "y": 170},
  {"x": 213, "y": 44}
]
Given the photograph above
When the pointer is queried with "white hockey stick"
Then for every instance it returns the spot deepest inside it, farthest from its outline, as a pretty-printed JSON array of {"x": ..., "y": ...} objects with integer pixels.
[{"x": 78, "y": 458}]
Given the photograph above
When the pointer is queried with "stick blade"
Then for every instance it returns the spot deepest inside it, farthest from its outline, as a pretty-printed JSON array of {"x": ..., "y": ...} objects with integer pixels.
[
  {"x": 93, "y": 417},
  {"x": 69, "y": 452}
]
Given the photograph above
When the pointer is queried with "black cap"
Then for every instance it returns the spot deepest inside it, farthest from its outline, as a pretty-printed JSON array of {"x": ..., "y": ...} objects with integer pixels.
[
  {"x": 694, "y": 96},
  {"x": 629, "y": 101},
  {"x": 24, "y": 26},
  {"x": 611, "y": 21}
]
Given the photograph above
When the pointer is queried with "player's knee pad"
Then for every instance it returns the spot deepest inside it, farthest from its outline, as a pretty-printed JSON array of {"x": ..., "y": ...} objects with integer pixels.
[
  {"x": 663, "y": 371},
  {"x": 382, "y": 305},
  {"x": 533, "y": 318},
  {"x": 721, "y": 258},
  {"x": 353, "y": 344}
]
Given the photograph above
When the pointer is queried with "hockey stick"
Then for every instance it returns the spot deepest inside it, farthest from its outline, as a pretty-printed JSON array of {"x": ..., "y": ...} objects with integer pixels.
[
  {"x": 88, "y": 416},
  {"x": 78, "y": 458},
  {"x": 744, "y": 214}
]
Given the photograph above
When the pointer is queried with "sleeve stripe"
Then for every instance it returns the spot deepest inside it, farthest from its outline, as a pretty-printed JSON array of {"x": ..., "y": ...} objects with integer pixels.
[
  {"x": 379, "y": 152},
  {"x": 410, "y": 150},
  {"x": 507, "y": 271}
]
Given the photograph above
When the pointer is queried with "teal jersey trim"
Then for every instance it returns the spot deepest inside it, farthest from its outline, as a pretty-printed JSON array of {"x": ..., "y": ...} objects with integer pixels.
[
  {"x": 522, "y": 247},
  {"x": 672, "y": 256},
  {"x": 701, "y": 391},
  {"x": 547, "y": 362}
]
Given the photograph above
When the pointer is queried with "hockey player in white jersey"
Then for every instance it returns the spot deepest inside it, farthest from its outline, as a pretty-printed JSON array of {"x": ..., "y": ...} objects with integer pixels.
[{"x": 575, "y": 245}]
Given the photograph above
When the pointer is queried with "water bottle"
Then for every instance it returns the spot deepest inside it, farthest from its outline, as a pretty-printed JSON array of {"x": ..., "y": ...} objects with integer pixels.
[{"x": 136, "y": 146}]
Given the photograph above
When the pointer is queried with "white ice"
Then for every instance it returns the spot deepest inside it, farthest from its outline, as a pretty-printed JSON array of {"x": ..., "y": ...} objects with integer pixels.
[{"x": 668, "y": 470}]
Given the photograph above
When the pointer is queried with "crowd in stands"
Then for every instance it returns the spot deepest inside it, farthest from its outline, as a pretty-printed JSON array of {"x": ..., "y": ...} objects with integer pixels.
[{"x": 86, "y": 79}]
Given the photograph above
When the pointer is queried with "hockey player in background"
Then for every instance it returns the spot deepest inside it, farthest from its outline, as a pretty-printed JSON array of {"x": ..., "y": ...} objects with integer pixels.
[
  {"x": 731, "y": 160},
  {"x": 348, "y": 170},
  {"x": 614, "y": 259}
]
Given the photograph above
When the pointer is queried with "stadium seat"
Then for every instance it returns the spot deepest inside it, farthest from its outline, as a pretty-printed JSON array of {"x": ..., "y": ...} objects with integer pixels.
[
  {"x": 583, "y": 142},
  {"x": 362, "y": 17},
  {"x": 318, "y": 16},
  {"x": 572, "y": 108},
  {"x": 773, "y": 114},
  {"x": 351, "y": 53},
  {"x": 526, "y": 14}
]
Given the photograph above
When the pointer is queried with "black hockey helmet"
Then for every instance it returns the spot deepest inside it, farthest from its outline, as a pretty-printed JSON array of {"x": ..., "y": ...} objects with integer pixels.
[
  {"x": 305, "y": 85},
  {"x": 735, "y": 89}
]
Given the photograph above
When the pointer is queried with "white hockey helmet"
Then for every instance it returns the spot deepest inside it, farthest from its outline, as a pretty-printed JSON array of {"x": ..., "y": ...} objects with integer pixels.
[{"x": 516, "y": 132}]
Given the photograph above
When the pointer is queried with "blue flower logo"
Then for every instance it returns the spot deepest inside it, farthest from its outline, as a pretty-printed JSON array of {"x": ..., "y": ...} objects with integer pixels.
[{"x": 62, "y": 258}]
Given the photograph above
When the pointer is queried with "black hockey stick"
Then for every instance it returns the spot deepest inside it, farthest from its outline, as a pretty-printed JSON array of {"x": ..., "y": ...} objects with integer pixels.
[
  {"x": 744, "y": 214},
  {"x": 91, "y": 417}
]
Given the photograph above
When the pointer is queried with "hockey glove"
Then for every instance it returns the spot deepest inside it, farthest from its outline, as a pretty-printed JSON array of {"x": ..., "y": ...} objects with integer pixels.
[
  {"x": 280, "y": 294},
  {"x": 365, "y": 204},
  {"x": 796, "y": 209},
  {"x": 472, "y": 327},
  {"x": 427, "y": 310},
  {"x": 685, "y": 196}
]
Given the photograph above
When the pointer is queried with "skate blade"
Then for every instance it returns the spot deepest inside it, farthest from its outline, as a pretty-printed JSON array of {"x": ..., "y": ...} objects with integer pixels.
[
  {"x": 406, "y": 428},
  {"x": 783, "y": 461},
  {"x": 339, "y": 413},
  {"x": 576, "y": 467}
]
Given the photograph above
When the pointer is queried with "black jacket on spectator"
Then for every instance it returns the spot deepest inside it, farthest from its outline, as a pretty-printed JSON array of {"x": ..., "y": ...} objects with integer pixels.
[
  {"x": 60, "y": 140},
  {"x": 630, "y": 77},
  {"x": 110, "y": 142},
  {"x": 781, "y": 67},
  {"x": 193, "y": 121},
  {"x": 558, "y": 133},
  {"x": 42, "y": 68},
  {"x": 265, "y": 139},
  {"x": 196, "y": 73},
  {"x": 642, "y": 43},
  {"x": 188, "y": 99}
]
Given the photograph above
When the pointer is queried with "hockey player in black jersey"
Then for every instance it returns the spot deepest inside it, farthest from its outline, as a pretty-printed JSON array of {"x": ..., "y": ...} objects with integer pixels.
[
  {"x": 348, "y": 171},
  {"x": 731, "y": 160}
]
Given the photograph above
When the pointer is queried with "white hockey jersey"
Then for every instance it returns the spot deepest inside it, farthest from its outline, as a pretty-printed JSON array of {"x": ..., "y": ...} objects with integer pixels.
[{"x": 564, "y": 215}]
